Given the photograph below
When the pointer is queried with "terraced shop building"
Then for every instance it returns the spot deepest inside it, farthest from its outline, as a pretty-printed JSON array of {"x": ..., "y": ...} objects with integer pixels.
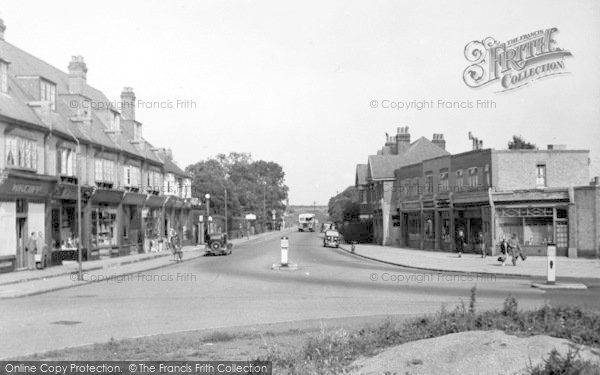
[
  {"x": 56, "y": 131},
  {"x": 544, "y": 196}
]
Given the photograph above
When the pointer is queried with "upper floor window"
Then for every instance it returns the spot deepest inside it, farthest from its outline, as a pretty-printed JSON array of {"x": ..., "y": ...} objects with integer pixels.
[
  {"x": 429, "y": 182},
  {"x": 444, "y": 181},
  {"x": 21, "y": 153},
  {"x": 486, "y": 170},
  {"x": 132, "y": 177},
  {"x": 66, "y": 162},
  {"x": 540, "y": 180},
  {"x": 153, "y": 181},
  {"x": 48, "y": 93},
  {"x": 104, "y": 171},
  {"x": 116, "y": 121},
  {"x": 460, "y": 182},
  {"x": 473, "y": 177},
  {"x": 416, "y": 186},
  {"x": 3, "y": 76}
]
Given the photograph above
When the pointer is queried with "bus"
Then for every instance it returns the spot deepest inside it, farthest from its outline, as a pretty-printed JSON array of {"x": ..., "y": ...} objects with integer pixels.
[{"x": 306, "y": 222}]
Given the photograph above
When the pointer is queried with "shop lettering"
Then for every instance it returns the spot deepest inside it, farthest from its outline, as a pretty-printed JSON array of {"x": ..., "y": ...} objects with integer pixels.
[
  {"x": 514, "y": 63},
  {"x": 26, "y": 189}
]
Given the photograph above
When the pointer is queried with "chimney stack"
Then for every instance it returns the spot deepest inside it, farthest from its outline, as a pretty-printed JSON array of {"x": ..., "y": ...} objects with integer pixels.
[
  {"x": 128, "y": 104},
  {"x": 77, "y": 75},
  {"x": 402, "y": 140},
  {"x": 438, "y": 139},
  {"x": 2, "y": 29}
]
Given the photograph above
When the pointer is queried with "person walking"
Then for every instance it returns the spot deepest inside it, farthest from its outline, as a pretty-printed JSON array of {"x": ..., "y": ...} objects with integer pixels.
[
  {"x": 460, "y": 242},
  {"x": 41, "y": 248},
  {"x": 503, "y": 251},
  {"x": 30, "y": 249},
  {"x": 515, "y": 250},
  {"x": 481, "y": 244}
]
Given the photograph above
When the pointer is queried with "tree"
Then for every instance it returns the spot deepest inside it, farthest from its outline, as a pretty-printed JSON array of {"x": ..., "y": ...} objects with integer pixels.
[
  {"x": 518, "y": 143},
  {"x": 340, "y": 205},
  {"x": 252, "y": 186}
]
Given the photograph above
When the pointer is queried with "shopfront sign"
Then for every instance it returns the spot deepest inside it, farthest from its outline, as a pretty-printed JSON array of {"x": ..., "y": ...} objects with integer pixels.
[{"x": 24, "y": 188}]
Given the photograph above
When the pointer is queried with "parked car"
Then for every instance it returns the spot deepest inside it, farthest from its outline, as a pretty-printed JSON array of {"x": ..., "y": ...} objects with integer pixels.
[{"x": 331, "y": 238}]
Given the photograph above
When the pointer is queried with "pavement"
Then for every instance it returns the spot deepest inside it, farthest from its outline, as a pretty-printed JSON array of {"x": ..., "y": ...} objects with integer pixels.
[
  {"x": 32, "y": 282},
  {"x": 533, "y": 267}
]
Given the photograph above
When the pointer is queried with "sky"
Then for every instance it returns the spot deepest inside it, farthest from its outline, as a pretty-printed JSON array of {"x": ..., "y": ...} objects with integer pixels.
[{"x": 294, "y": 82}]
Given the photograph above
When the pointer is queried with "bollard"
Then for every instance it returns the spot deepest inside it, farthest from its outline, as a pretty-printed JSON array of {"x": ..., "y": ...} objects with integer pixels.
[
  {"x": 551, "y": 271},
  {"x": 284, "y": 251}
]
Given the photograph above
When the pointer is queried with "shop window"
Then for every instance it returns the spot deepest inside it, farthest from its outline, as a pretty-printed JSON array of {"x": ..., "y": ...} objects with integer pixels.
[
  {"x": 486, "y": 170},
  {"x": 414, "y": 226},
  {"x": 540, "y": 180},
  {"x": 428, "y": 226},
  {"x": 561, "y": 213},
  {"x": 104, "y": 227},
  {"x": 3, "y": 76},
  {"x": 416, "y": 186},
  {"x": 21, "y": 153},
  {"x": 538, "y": 231},
  {"x": 445, "y": 235},
  {"x": 48, "y": 93}
]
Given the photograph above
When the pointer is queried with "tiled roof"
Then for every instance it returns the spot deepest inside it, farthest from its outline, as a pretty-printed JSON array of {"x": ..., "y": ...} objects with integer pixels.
[
  {"x": 382, "y": 167},
  {"x": 361, "y": 174},
  {"x": 171, "y": 167},
  {"x": 14, "y": 105}
]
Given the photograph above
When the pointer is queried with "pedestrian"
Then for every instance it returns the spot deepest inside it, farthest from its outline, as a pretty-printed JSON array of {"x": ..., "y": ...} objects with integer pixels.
[
  {"x": 503, "y": 251},
  {"x": 30, "y": 249},
  {"x": 460, "y": 242},
  {"x": 481, "y": 244},
  {"x": 514, "y": 248},
  {"x": 40, "y": 249}
]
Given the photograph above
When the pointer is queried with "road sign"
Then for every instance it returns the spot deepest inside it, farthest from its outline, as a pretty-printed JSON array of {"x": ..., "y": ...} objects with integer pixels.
[{"x": 284, "y": 251}]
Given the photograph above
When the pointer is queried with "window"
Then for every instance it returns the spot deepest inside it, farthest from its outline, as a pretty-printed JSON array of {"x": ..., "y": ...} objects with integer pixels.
[
  {"x": 153, "y": 181},
  {"x": 540, "y": 180},
  {"x": 116, "y": 121},
  {"x": 473, "y": 178},
  {"x": 132, "y": 177},
  {"x": 3, "y": 76},
  {"x": 21, "y": 153},
  {"x": 416, "y": 186},
  {"x": 66, "y": 163},
  {"x": 104, "y": 170},
  {"x": 444, "y": 181},
  {"x": 48, "y": 93},
  {"x": 486, "y": 170},
  {"x": 429, "y": 183},
  {"x": 459, "y": 180}
]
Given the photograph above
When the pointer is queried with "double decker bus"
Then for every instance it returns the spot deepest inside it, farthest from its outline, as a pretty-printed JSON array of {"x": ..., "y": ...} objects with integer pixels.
[{"x": 306, "y": 222}]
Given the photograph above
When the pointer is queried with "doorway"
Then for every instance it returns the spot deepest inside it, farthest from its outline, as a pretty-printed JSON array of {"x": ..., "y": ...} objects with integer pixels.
[{"x": 21, "y": 243}]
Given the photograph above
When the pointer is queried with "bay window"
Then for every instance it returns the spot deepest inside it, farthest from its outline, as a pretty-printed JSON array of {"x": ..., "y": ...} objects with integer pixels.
[{"x": 21, "y": 153}]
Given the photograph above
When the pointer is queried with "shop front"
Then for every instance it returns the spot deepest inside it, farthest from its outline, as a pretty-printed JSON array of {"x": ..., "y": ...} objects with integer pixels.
[
  {"x": 105, "y": 216},
  {"x": 132, "y": 240},
  {"x": 152, "y": 216},
  {"x": 536, "y": 226},
  {"x": 24, "y": 208}
]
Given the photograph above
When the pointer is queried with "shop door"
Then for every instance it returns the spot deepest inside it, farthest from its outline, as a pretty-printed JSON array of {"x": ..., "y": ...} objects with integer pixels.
[
  {"x": 21, "y": 243},
  {"x": 562, "y": 235}
]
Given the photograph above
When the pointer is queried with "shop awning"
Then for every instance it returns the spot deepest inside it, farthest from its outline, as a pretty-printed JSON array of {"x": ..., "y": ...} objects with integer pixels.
[
  {"x": 134, "y": 199},
  {"x": 65, "y": 192},
  {"x": 155, "y": 201},
  {"x": 170, "y": 201},
  {"x": 178, "y": 203},
  {"x": 107, "y": 196}
]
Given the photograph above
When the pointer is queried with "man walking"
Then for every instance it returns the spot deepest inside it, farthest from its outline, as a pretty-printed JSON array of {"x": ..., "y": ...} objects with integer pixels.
[
  {"x": 514, "y": 248},
  {"x": 460, "y": 242},
  {"x": 30, "y": 249}
]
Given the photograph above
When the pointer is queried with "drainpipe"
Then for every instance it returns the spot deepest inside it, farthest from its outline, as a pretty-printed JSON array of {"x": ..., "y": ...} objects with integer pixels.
[{"x": 79, "y": 255}]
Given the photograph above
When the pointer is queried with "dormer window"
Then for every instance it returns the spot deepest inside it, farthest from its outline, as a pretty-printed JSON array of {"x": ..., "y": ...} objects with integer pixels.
[
  {"x": 137, "y": 132},
  {"x": 3, "y": 76},
  {"x": 48, "y": 93},
  {"x": 116, "y": 122}
]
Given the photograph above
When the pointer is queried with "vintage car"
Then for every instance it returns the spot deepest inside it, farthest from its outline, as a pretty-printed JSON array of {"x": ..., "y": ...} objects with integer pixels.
[
  {"x": 217, "y": 244},
  {"x": 331, "y": 238}
]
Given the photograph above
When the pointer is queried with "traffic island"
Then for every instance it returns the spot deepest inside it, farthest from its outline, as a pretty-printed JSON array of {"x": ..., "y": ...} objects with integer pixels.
[{"x": 285, "y": 267}]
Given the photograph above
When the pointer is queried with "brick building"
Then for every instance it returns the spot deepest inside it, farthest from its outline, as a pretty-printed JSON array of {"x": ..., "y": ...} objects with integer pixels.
[{"x": 57, "y": 131}]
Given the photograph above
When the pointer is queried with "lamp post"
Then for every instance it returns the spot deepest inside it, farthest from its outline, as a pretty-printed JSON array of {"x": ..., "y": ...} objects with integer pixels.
[
  {"x": 79, "y": 251},
  {"x": 226, "y": 212},
  {"x": 207, "y": 196}
]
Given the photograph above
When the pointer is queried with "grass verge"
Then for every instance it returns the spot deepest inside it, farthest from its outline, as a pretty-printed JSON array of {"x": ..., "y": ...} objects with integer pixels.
[{"x": 333, "y": 352}]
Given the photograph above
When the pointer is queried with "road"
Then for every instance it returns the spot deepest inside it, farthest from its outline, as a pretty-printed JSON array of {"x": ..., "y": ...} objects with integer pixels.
[{"x": 241, "y": 289}]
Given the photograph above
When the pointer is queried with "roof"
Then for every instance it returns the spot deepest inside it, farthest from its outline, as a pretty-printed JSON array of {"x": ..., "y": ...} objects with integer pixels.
[
  {"x": 15, "y": 105},
  {"x": 362, "y": 170},
  {"x": 171, "y": 167},
  {"x": 382, "y": 167}
]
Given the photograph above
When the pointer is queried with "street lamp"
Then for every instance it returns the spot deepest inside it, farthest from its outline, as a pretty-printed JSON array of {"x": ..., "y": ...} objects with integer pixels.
[
  {"x": 79, "y": 250},
  {"x": 207, "y": 196}
]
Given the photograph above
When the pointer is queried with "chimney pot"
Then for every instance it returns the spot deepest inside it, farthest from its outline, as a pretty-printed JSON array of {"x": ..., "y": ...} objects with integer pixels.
[
  {"x": 77, "y": 74},
  {"x": 438, "y": 139},
  {"x": 2, "y": 29},
  {"x": 128, "y": 103}
]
